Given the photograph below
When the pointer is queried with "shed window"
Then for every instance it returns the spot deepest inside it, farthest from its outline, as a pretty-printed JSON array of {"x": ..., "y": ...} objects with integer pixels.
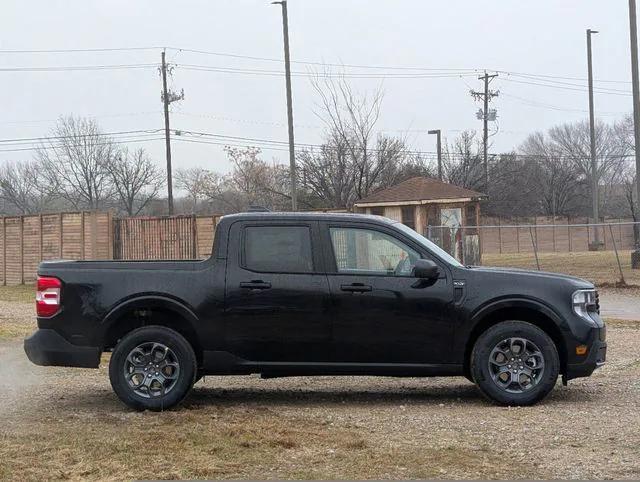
[
  {"x": 470, "y": 218},
  {"x": 378, "y": 211},
  {"x": 409, "y": 216}
]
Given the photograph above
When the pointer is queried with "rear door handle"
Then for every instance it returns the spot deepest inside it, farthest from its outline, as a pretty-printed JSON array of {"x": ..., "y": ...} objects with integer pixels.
[
  {"x": 356, "y": 288},
  {"x": 255, "y": 285}
]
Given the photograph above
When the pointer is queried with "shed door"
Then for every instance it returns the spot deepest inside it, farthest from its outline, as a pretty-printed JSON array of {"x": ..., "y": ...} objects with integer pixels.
[{"x": 452, "y": 218}]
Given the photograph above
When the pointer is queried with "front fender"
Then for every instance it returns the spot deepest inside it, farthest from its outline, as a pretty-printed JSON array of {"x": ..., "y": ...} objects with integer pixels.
[
  {"x": 471, "y": 329},
  {"x": 517, "y": 302}
]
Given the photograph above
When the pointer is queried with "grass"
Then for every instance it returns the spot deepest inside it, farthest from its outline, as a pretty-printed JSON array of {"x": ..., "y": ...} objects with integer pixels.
[
  {"x": 10, "y": 330},
  {"x": 599, "y": 267},
  {"x": 19, "y": 293},
  {"x": 16, "y": 306},
  {"x": 210, "y": 443}
]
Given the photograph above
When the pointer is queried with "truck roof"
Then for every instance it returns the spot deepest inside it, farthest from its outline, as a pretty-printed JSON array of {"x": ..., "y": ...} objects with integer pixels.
[{"x": 307, "y": 216}]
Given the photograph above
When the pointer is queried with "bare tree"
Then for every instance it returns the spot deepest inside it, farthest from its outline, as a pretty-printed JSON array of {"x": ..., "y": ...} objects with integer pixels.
[
  {"x": 251, "y": 182},
  {"x": 23, "y": 187},
  {"x": 76, "y": 159},
  {"x": 136, "y": 180},
  {"x": 364, "y": 159},
  {"x": 197, "y": 182},
  {"x": 557, "y": 179},
  {"x": 512, "y": 191},
  {"x": 327, "y": 174},
  {"x": 463, "y": 164},
  {"x": 572, "y": 141}
]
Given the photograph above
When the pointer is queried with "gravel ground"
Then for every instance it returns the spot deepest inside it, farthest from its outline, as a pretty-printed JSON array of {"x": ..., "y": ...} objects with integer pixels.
[
  {"x": 334, "y": 427},
  {"x": 622, "y": 304}
]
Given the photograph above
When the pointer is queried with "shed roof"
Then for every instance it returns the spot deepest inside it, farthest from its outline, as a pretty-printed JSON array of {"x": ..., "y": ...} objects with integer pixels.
[{"x": 419, "y": 189}]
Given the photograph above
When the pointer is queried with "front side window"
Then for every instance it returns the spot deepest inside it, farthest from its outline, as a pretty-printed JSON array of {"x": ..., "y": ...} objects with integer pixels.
[
  {"x": 367, "y": 251},
  {"x": 278, "y": 249}
]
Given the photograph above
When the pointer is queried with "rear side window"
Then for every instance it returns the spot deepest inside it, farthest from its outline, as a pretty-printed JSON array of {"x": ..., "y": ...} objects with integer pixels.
[{"x": 278, "y": 249}]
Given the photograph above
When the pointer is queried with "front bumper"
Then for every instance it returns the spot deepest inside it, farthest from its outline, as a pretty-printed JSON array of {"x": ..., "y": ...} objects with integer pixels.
[
  {"x": 48, "y": 348},
  {"x": 596, "y": 357}
]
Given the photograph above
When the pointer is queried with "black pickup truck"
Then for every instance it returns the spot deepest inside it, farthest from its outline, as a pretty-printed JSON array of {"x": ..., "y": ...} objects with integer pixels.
[{"x": 289, "y": 294}]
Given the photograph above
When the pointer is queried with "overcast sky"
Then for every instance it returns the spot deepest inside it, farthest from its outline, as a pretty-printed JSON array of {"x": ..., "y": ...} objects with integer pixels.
[{"x": 541, "y": 38}]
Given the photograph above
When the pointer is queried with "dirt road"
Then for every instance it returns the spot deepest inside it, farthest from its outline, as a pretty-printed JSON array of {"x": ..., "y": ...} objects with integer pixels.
[{"x": 66, "y": 423}]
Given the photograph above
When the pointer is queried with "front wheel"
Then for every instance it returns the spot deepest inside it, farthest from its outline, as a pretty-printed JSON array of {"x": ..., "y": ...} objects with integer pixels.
[
  {"x": 515, "y": 363},
  {"x": 152, "y": 368}
]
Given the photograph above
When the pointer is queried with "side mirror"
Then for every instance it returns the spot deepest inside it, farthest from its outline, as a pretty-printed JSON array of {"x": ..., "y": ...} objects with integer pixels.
[{"x": 426, "y": 269}]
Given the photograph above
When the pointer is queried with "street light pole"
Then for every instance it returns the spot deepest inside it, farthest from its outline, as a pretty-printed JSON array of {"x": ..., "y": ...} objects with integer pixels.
[
  {"x": 438, "y": 133},
  {"x": 636, "y": 107},
  {"x": 592, "y": 134},
  {"x": 287, "y": 68}
]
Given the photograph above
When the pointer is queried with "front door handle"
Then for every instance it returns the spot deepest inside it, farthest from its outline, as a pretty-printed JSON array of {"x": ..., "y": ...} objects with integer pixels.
[
  {"x": 356, "y": 288},
  {"x": 255, "y": 285}
]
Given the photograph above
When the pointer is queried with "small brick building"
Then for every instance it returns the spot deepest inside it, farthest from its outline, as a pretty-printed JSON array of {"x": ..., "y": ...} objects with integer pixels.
[{"x": 433, "y": 208}]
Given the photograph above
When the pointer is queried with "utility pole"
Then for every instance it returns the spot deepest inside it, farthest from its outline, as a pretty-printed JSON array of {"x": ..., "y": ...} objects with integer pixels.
[
  {"x": 636, "y": 110},
  {"x": 486, "y": 97},
  {"x": 287, "y": 68},
  {"x": 592, "y": 135},
  {"x": 167, "y": 98},
  {"x": 438, "y": 133}
]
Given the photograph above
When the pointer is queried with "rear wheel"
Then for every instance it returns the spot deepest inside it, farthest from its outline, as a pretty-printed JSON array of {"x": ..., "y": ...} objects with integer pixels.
[
  {"x": 515, "y": 363},
  {"x": 152, "y": 368}
]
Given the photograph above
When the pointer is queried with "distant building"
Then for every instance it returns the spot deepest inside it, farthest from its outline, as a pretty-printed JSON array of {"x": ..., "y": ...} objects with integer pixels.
[{"x": 434, "y": 209}]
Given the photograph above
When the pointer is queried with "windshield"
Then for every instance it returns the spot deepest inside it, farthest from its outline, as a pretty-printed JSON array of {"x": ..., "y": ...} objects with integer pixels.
[{"x": 430, "y": 245}]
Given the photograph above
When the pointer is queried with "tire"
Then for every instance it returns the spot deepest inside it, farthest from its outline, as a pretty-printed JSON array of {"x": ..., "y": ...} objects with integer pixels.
[
  {"x": 152, "y": 368},
  {"x": 529, "y": 377}
]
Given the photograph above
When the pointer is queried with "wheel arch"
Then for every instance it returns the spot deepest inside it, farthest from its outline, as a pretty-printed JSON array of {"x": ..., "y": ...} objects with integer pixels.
[
  {"x": 150, "y": 310},
  {"x": 531, "y": 311}
]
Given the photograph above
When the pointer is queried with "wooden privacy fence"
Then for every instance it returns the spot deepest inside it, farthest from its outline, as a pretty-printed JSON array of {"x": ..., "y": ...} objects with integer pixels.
[
  {"x": 175, "y": 237},
  {"x": 27, "y": 240},
  {"x": 499, "y": 235}
]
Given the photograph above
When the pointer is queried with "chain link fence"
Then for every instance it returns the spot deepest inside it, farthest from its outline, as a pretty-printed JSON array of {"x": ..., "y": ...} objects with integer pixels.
[{"x": 603, "y": 253}]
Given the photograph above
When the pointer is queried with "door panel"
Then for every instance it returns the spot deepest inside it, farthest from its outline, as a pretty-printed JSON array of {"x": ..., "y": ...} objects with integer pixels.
[
  {"x": 276, "y": 316},
  {"x": 380, "y": 314}
]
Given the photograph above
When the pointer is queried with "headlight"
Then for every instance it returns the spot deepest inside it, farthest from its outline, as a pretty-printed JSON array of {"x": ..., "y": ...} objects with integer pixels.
[{"x": 585, "y": 302}]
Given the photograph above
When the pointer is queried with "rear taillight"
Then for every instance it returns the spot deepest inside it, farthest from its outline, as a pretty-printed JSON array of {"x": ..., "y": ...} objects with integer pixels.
[{"x": 48, "y": 296}]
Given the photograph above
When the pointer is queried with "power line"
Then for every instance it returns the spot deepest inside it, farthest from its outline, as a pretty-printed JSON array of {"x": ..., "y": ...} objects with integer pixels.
[
  {"x": 266, "y": 144},
  {"x": 59, "y": 51},
  {"x": 245, "y": 121},
  {"x": 598, "y": 91},
  {"x": 274, "y": 144},
  {"x": 542, "y": 105},
  {"x": 559, "y": 82},
  {"x": 75, "y": 68},
  {"x": 417, "y": 69},
  {"x": 543, "y": 76},
  {"x": 76, "y": 143},
  {"x": 228, "y": 55},
  {"x": 321, "y": 64},
  {"x": 103, "y": 116},
  {"x": 100, "y": 134},
  {"x": 350, "y": 75},
  {"x": 60, "y": 146}
]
